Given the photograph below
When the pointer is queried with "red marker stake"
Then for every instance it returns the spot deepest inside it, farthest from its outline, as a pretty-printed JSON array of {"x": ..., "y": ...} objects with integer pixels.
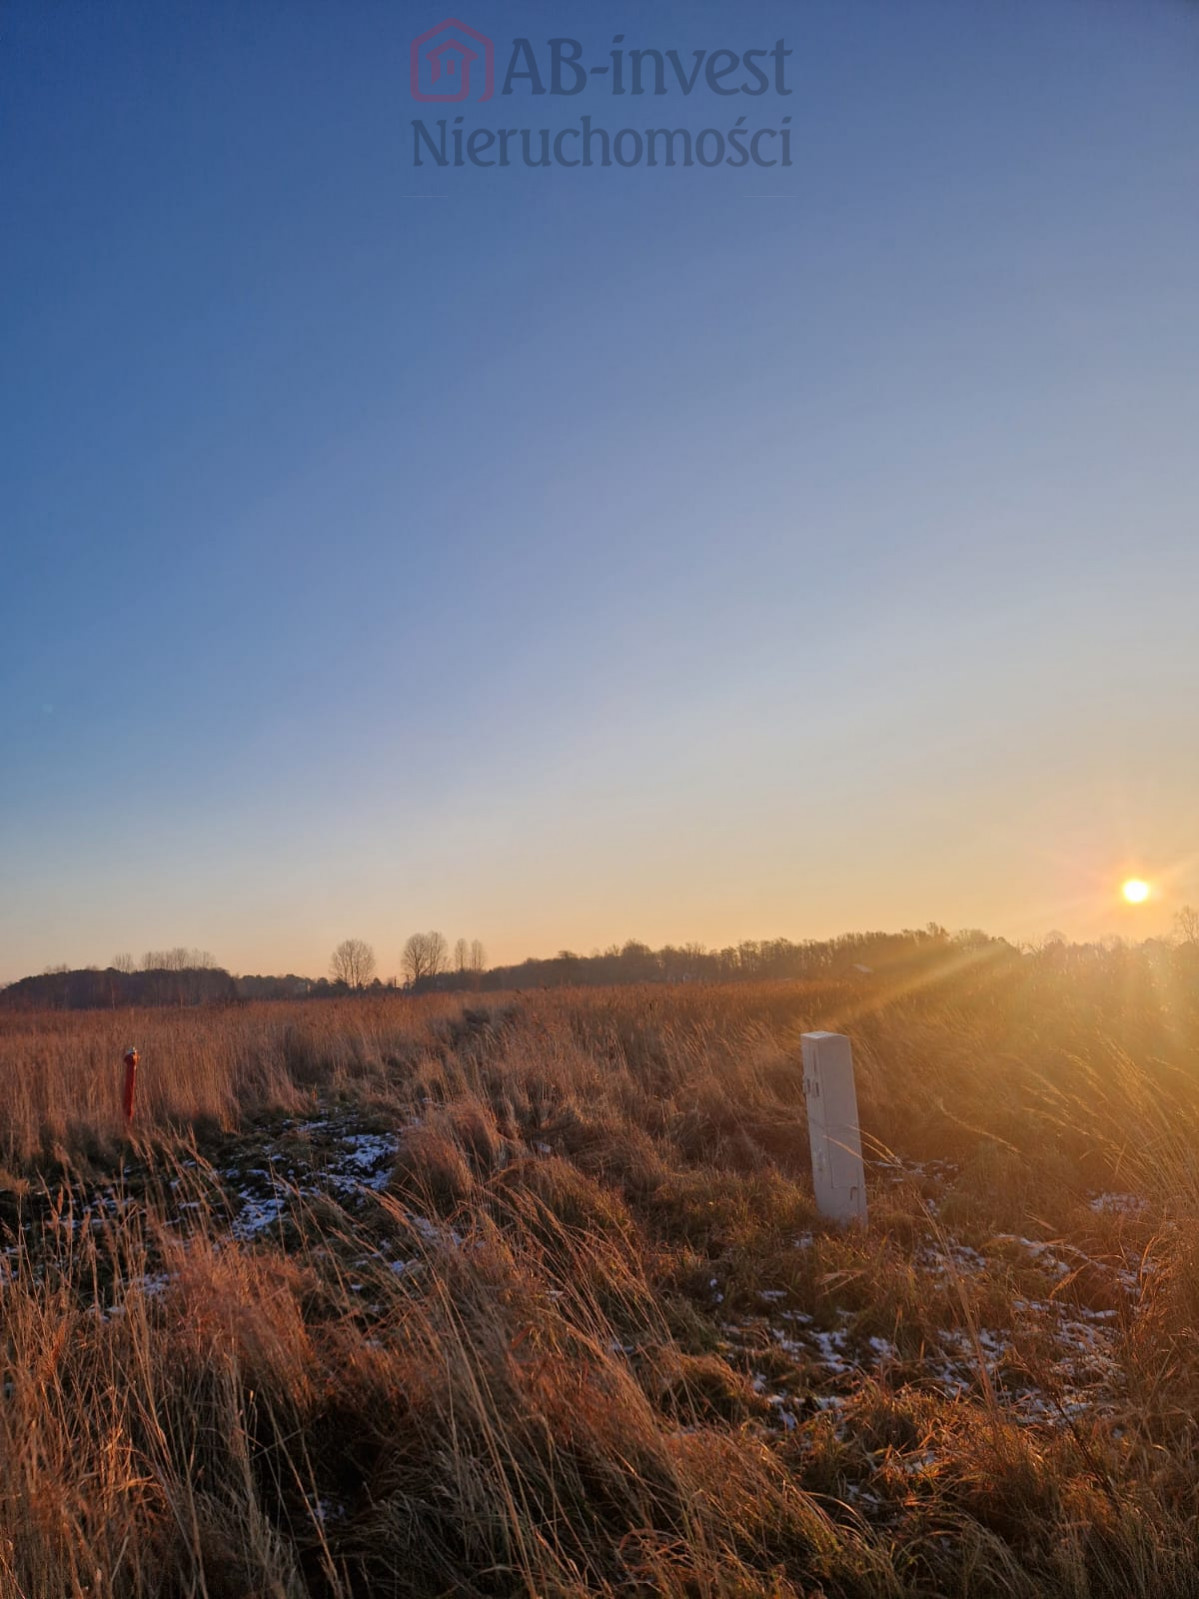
[{"x": 130, "y": 1080}]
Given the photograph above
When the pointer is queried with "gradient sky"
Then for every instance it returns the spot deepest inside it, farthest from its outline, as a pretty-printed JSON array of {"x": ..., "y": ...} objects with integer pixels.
[{"x": 556, "y": 557}]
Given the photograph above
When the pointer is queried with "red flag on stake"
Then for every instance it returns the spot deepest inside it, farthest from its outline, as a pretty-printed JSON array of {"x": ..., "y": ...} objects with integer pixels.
[{"x": 130, "y": 1080}]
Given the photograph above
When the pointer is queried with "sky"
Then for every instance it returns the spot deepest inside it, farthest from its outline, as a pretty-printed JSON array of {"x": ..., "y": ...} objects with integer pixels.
[{"x": 554, "y": 556}]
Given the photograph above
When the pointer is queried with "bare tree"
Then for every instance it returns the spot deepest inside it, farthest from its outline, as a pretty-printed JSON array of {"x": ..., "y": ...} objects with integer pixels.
[
  {"x": 424, "y": 956},
  {"x": 123, "y": 963},
  {"x": 478, "y": 957},
  {"x": 195, "y": 960},
  {"x": 1187, "y": 922},
  {"x": 179, "y": 959},
  {"x": 353, "y": 963}
]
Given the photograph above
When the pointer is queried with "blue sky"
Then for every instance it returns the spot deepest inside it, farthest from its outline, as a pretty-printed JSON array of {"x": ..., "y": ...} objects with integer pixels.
[{"x": 561, "y": 556}]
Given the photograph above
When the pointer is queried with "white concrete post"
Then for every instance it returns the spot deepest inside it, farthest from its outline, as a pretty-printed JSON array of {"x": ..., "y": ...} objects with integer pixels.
[{"x": 837, "y": 1172}]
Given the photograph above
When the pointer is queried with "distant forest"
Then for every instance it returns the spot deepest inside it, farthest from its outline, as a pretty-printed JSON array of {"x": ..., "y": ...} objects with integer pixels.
[{"x": 189, "y": 978}]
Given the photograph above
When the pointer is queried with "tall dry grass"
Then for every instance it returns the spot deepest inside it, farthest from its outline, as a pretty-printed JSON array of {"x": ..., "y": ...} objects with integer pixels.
[
  {"x": 546, "y": 1398},
  {"x": 62, "y": 1071}
]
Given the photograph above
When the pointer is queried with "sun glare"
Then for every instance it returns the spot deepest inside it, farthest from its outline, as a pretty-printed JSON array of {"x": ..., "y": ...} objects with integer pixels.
[{"x": 1135, "y": 891}]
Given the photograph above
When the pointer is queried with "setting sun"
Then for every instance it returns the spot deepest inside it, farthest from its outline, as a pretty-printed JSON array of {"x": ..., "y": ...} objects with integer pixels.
[{"x": 1135, "y": 891}]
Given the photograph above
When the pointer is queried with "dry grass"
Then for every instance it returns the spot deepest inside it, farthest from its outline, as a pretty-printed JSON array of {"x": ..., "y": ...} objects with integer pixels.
[{"x": 589, "y": 1335}]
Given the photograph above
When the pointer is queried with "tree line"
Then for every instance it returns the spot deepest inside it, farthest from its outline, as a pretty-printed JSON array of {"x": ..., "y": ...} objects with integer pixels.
[{"x": 428, "y": 963}]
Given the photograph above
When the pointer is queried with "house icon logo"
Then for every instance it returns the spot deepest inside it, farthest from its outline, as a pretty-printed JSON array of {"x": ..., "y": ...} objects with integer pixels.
[{"x": 442, "y": 59}]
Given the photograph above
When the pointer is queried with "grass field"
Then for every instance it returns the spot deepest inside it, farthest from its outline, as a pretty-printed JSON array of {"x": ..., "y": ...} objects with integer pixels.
[{"x": 431, "y": 1297}]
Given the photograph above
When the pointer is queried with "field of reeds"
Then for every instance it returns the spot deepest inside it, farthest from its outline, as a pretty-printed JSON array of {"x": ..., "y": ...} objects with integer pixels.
[{"x": 530, "y": 1297}]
